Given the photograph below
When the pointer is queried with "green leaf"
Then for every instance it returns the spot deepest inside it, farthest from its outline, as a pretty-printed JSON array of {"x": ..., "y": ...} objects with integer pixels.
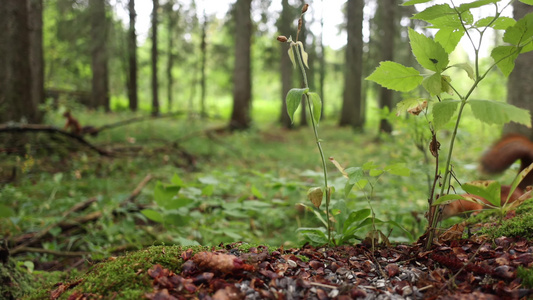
[
  {"x": 354, "y": 174},
  {"x": 163, "y": 194},
  {"x": 528, "y": 2},
  {"x": 433, "y": 84},
  {"x": 375, "y": 172},
  {"x": 176, "y": 180},
  {"x": 517, "y": 180},
  {"x": 448, "y": 38},
  {"x": 317, "y": 105},
  {"x": 467, "y": 68},
  {"x": 291, "y": 55},
  {"x": 6, "y": 212},
  {"x": 521, "y": 32},
  {"x": 453, "y": 20},
  {"x": 475, "y": 4},
  {"x": 447, "y": 199},
  {"x": 500, "y": 23},
  {"x": 491, "y": 191},
  {"x": 293, "y": 99},
  {"x": 505, "y": 56},
  {"x": 315, "y": 235},
  {"x": 409, "y": 104},
  {"x": 152, "y": 215},
  {"x": 413, "y": 2},
  {"x": 499, "y": 113},
  {"x": 429, "y": 54},
  {"x": 443, "y": 112},
  {"x": 433, "y": 12},
  {"x": 303, "y": 53},
  {"x": 257, "y": 193},
  {"x": 396, "y": 77},
  {"x": 354, "y": 217},
  {"x": 398, "y": 169}
]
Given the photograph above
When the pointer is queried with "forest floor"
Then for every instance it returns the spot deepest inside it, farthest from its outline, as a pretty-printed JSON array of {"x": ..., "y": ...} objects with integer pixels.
[{"x": 245, "y": 186}]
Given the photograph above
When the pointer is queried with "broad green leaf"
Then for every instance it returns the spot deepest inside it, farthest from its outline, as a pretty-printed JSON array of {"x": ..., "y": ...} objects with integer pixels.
[
  {"x": 413, "y": 2},
  {"x": 505, "y": 56},
  {"x": 354, "y": 174},
  {"x": 375, "y": 172},
  {"x": 447, "y": 199},
  {"x": 395, "y": 76},
  {"x": 445, "y": 83},
  {"x": 369, "y": 165},
  {"x": 443, "y": 112},
  {"x": 293, "y": 99},
  {"x": 448, "y": 38},
  {"x": 257, "y": 193},
  {"x": 475, "y": 4},
  {"x": 355, "y": 216},
  {"x": 453, "y": 20},
  {"x": 499, "y": 113},
  {"x": 489, "y": 190},
  {"x": 528, "y": 2},
  {"x": 152, "y": 215},
  {"x": 315, "y": 235},
  {"x": 317, "y": 105},
  {"x": 500, "y": 23},
  {"x": 163, "y": 194},
  {"x": 411, "y": 105},
  {"x": 303, "y": 53},
  {"x": 291, "y": 55},
  {"x": 467, "y": 68},
  {"x": 178, "y": 203},
  {"x": 398, "y": 169},
  {"x": 176, "y": 180},
  {"x": 519, "y": 179},
  {"x": 521, "y": 32},
  {"x": 315, "y": 195},
  {"x": 433, "y": 12},
  {"x": 433, "y": 84},
  {"x": 428, "y": 53}
]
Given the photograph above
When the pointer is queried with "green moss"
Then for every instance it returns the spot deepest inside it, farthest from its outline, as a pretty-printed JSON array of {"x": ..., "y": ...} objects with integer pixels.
[
  {"x": 303, "y": 258},
  {"x": 526, "y": 274},
  {"x": 14, "y": 281}
]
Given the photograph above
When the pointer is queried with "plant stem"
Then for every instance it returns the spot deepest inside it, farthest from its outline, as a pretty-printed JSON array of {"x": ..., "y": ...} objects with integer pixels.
[{"x": 317, "y": 139}]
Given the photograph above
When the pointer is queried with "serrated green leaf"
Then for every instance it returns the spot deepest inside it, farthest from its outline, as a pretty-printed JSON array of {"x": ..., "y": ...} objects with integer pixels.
[
  {"x": 303, "y": 53},
  {"x": 429, "y": 54},
  {"x": 317, "y": 105},
  {"x": 395, "y": 76},
  {"x": 500, "y": 23},
  {"x": 443, "y": 111},
  {"x": 413, "y": 2},
  {"x": 398, "y": 169},
  {"x": 489, "y": 190},
  {"x": 475, "y": 4},
  {"x": 521, "y": 32},
  {"x": 505, "y": 56},
  {"x": 453, "y": 20},
  {"x": 448, "y": 38},
  {"x": 433, "y": 84},
  {"x": 293, "y": 99},
  {"x": 433, "y": 12},
  {"x": 494, "y": 112},
  {"x": 152, "y": 215},
  {"x": 467, "y": 68}
]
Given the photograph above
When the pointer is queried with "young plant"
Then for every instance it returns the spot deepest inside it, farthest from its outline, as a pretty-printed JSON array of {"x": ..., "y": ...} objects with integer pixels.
[
  {"x": 298, "y": 57},
  {"x": 453, "y": 22}
]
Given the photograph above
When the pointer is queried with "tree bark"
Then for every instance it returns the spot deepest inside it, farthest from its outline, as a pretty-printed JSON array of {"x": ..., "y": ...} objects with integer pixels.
[
  {"x": 519, "y": 87},
  {"x": 203, "y": 50},
  {"x": 284, "y": 28},
  {"x": 352, "y": 114},
  {"x": 155, "y": 84},
  {"x": 35, "y": 25},
  {"x": 387, "y": 53},
  {"x": 100, "y": 84},
  {"x": 303, "y": 104},
  {"x": 322, "y": 65},
  {"x": 242, "y": 84},
  {"x": 15, "y": 74},
  {"x": 170, "y": 53},
  {"x": 132, "y": 58}
]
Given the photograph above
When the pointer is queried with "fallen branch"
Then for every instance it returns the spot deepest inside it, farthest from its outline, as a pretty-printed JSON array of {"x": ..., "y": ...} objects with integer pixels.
[{"x": 50, "y": 129}]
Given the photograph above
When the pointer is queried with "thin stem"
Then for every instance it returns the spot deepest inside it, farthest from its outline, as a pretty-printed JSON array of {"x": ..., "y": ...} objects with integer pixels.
[{"x": 317, "y": 139}]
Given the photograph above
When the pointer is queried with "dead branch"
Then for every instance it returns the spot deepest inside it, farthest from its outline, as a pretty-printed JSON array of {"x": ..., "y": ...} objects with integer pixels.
[
  {"x": 137, "y": 119},
  {"x": 50, "y": 129}
]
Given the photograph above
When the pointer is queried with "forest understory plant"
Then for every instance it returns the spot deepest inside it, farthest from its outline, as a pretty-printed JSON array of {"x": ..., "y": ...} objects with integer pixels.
[{"x": 452, "y": 23}]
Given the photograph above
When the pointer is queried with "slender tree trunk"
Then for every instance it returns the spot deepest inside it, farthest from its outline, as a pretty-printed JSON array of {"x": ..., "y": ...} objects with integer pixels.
[
  {"x": 242, "y": 83},
  {"x": 15, "y": 74},
  {"x": 387, "y": 53},
  {"x": 352, "y": 114},
  {"x": 100, "y": 85},
  {"x": 322, "y": 65},
  {"x": 203, "y": 50},
  {"x": 155, "y": 84},
  {"x": 284, "y": 28},
  {"x": 303, "y": 38},
  {"x": 35, "y": 13},
  {"x": 170, "y": 53},
  {"x": 132, "y": 58},
  {"x": 519, "y": 87}
]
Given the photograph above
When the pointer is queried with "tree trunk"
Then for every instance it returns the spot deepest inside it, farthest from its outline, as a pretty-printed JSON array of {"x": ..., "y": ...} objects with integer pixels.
[
  {"x": 242, "y": 84},
  {"x": 35, "y": 25},
  {"x": 100, "y": 85},
  {"x": 15, "y": 74},
  {"x": 132, "y": 58},
  {"x": 155, "y": 84},
  {"x": 203, "y": 50},
  {"x": 387, "y": 53},
  {"x": 352, "y": 114},
  {"x": 170, "y": 54},
  {"x": 303, "y": 104},
  {"x": 285, "y": 28},
  {"x": 322, "y": 65},
  {"x": 519, "y": 87}
]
